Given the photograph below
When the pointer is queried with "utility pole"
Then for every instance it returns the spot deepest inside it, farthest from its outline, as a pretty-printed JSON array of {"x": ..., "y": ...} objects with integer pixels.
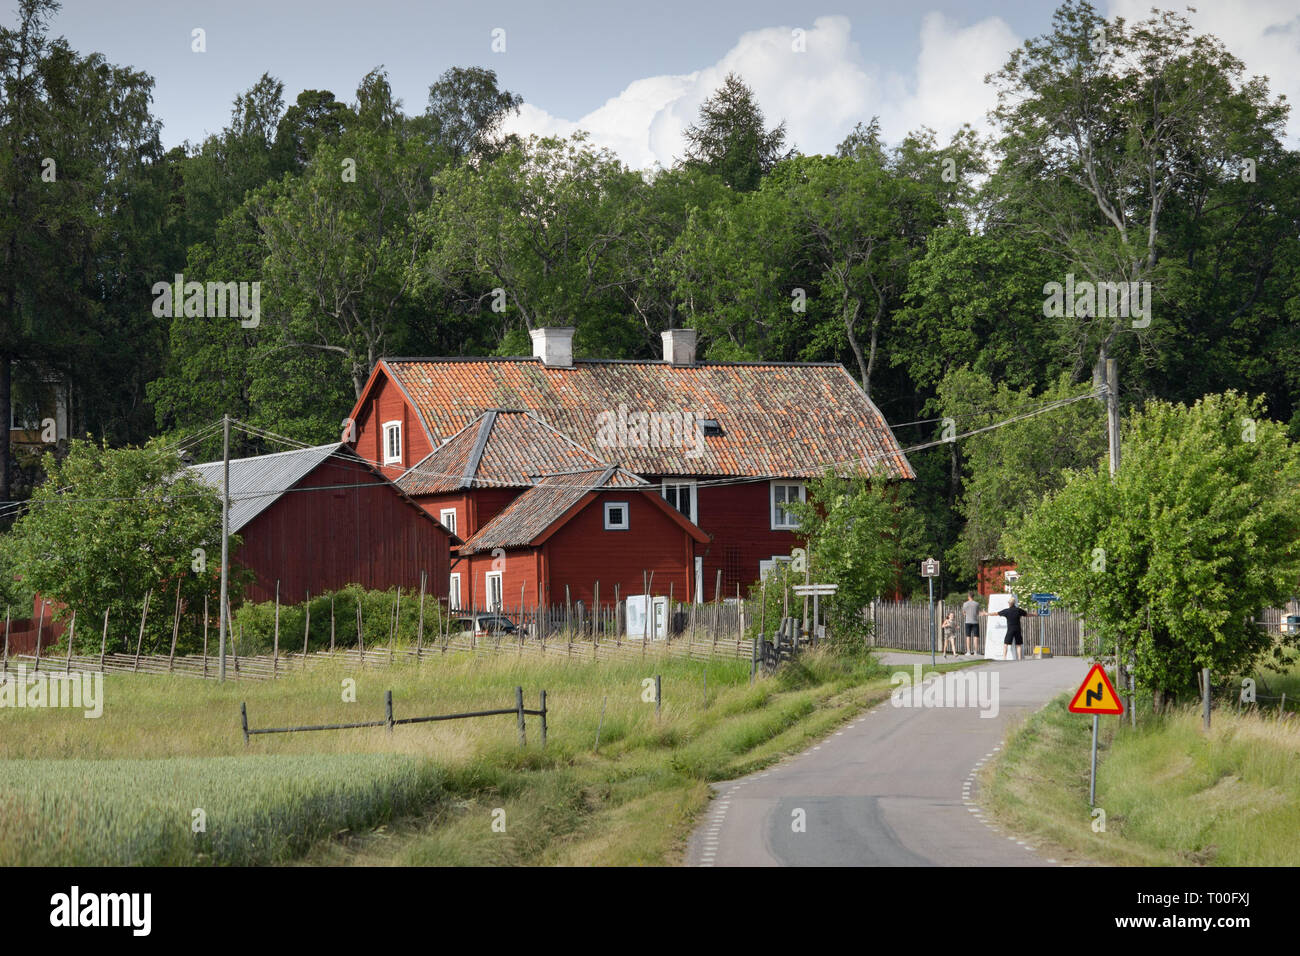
[
  {"x": 1112, "y": 433},
  {"x": 225, "y": 543},
  {"x": 1112, "y": 414}
]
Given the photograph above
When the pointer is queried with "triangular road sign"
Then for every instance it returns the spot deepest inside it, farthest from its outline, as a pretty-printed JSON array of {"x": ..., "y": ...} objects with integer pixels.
[{"x": 1095, "y": 695}]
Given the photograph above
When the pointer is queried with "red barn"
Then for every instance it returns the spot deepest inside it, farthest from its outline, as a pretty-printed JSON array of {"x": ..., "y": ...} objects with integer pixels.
[
  {"x": 726, "y": 444},
  {"x": 320, "y": 518}
]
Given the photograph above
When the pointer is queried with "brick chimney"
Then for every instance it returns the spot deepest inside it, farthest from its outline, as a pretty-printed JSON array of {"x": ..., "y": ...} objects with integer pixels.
[
  {"x": 553, "y": 346},
  {"x": 679, "y": 346}
]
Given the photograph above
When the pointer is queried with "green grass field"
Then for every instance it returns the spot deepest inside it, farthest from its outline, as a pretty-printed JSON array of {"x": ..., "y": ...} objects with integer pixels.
[
  {"x": 124, "y": 788},
  {"x": 1172, "y": 794}
]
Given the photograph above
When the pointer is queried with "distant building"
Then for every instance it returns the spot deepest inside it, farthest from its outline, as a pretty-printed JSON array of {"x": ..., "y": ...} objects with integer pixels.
[
  {"x": 321, "y": 518},
  {"x": 727, "y": 445}
]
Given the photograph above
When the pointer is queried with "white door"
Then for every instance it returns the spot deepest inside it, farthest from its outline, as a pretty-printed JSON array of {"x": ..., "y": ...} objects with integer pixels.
[{"x": 699, "y": 580}]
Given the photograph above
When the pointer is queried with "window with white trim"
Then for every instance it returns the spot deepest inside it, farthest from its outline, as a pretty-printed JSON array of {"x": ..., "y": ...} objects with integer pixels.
[
  {"x": 682, "y": 496},
  {"x": 453, "y": 592},
  {"x": 492, "y": 588},
  {"x": 783, "y": 494},
  {"x": 765, "y": 567},
  {"x": 392, "y": 443},
  {"x": 616, "y": 517},
  {"x": 447, "y": 518}
]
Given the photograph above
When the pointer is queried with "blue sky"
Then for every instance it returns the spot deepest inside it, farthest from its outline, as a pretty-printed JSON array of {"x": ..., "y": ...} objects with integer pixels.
[{"x": 631, "y": 74}]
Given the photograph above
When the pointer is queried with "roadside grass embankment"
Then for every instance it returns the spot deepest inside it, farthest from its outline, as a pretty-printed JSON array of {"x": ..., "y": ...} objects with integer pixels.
[
  {"x": 1173, "y": 795},
  {"x": 124, "y": 788}
]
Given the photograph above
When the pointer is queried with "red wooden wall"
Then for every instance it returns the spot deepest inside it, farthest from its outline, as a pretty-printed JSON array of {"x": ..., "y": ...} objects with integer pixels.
[
  {"x": 739, "y": 519},
  {"x": 322, "y": 540},
  {"x": 583, "y": 552},
  {"x": 386, "y": 403}
]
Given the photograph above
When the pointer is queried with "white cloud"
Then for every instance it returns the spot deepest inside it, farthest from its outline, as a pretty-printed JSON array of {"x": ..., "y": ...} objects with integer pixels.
[{"x": 820, "y": 93}]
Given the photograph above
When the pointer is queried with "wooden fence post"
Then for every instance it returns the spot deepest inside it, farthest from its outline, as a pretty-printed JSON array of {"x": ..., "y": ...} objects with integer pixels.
[
  {"x": 658, "y": 695},
  {"x": 275, "y": 651},
  {"x": 103, "y": 641},
  {"x": 4, "y": 667},
  {"x": 72, "y": 633},
  {"x": 243, "y": 719},
  {"x": 519, "y": 710},
  {"x": 419, "y": 631},
  {"x": 144, "y": 612},
  {"x": 176, "y": 629},
  {"x": 388, "y": 709},
  {"x": 331, "y": 623},
  {"x": 306, "y": 630},
  {"x": 40, "y": 625},
  {"x": 543, "y": 709},
  {"x": 205, "y": 634}
]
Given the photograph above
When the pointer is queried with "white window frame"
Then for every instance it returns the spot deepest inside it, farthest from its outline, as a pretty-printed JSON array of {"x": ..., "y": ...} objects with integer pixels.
[
  {"x": 771, "y": 498},
  {"x": 694, "y": 515},
  {"x": 443, "y": 516},
  {"x": 487, "y": 592},
  {"x": 388, "y": 429},
  {"x": 627, "y": 516},
  {"x": 765, "y": 567},
  {"x": 454, "y": 591}
]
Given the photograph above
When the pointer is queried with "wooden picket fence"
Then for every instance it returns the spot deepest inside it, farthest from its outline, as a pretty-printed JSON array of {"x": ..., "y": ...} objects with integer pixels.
[{"x": 905, "y": 626}]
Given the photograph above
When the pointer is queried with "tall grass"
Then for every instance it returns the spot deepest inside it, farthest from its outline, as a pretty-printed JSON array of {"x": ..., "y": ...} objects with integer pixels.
[
  {"x": 167, "y": 745},
  {"x": 1172, "y": 794}
]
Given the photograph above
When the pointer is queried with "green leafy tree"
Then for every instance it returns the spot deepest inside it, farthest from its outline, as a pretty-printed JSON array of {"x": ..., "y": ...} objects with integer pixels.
[
  {"x": 1005, "y": 471},
  {"x": 860, "y": 533},
  {"x": 466, "y": 109},
  {"x": 110, "y": 524},
  {"x": 731, "y": 138},
  {"x": 1177, "y": 556}
]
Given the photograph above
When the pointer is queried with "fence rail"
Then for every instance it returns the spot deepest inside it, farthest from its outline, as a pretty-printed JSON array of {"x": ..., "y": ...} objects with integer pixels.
[{"x": 389, "y": 721}]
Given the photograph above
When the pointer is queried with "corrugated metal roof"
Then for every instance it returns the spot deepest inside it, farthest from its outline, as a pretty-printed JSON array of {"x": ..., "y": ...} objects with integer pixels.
[
  {"x": 256, "y": 483},
  {"x": 780, "y": 420},
  {"x": 499, "y": 449},
  {"x": 537, "y": 509}
]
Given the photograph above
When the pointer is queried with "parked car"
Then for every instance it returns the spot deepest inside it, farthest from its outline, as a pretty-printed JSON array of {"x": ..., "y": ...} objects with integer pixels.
[
  {"x": 483, "y": 625},
  {"x": 1291, "y": 625}
]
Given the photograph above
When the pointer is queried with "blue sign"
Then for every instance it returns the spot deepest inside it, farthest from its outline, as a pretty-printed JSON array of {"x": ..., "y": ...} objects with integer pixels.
[{"x": 1044, "y": 598}]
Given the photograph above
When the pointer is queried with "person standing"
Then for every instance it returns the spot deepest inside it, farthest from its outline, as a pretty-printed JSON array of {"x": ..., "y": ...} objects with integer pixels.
[
  {"x": 949, "y": 639},
  {"x": 1013, "y": 614},
  {"x": 970, "y": 612}
]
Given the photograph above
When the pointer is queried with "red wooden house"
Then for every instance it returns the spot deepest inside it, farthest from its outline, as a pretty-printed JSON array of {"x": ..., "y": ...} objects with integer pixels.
[
  {"x": 320, "y": 518},
  {"x": 726, "y": 444}
]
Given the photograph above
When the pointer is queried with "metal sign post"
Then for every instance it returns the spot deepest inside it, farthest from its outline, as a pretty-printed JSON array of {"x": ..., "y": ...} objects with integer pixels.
[{"x": 930, "y": 571}]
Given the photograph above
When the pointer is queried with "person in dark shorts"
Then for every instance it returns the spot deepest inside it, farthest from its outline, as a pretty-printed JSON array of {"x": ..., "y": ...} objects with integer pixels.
[
  {"x": 970, "y": 612},
  {"x": 1013, "y": 613}
]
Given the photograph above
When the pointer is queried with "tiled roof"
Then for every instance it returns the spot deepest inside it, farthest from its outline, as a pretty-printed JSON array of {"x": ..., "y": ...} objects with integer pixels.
[
  {"x": 525, "y": 518},
  {"x": 776, "y": 420},
  {"x": 257, "y": 483},
  {"x": 499, "y": 449}
]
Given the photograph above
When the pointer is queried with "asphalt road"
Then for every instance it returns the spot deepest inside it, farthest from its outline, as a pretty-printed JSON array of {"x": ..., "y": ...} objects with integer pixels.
[{"x": 894, "y": 787}]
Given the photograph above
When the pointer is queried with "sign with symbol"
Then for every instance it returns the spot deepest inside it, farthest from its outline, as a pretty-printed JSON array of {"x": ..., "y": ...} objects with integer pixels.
[
  {"x": 929, "y": 568},
  {"x": 1096, "y": 695}
]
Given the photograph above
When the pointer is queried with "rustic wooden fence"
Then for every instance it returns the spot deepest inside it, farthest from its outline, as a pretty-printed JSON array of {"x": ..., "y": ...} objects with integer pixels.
[
  {"x": 390, "y": 720},
  {"x": 905, "y": 625}
]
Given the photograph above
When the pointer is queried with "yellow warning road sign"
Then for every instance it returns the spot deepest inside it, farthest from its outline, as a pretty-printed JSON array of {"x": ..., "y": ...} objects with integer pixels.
[{"x": 1095, "y": 695}]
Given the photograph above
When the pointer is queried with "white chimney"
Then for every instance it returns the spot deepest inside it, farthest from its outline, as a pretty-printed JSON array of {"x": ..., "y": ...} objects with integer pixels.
[
  {"x": 553, "y": 346},
  {"x": 679, "y": 346}
]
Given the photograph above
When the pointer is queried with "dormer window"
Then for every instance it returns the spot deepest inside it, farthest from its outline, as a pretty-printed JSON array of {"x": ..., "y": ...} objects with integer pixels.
[
  {"x": 712, "y": 428},
  {"x": 392, "y": 443}
]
